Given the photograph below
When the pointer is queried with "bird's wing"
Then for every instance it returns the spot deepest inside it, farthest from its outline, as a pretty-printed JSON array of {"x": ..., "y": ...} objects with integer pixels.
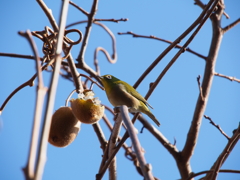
[{"x": 134, "y": 93}]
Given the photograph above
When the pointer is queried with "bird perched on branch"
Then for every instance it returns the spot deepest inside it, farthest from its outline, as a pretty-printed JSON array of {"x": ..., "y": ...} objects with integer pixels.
[{"x": 121, "y": 93}]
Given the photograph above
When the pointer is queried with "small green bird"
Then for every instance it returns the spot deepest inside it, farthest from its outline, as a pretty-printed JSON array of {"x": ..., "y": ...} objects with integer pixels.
[{"x": 121, "y": 93}]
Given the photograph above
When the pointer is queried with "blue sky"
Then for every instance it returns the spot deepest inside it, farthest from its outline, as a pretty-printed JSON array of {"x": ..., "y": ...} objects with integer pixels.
[{"x": 173, "y": 100}]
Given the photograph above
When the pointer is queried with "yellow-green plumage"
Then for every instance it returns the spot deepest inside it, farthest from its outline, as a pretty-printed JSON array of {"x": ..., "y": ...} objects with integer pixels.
[{"x": 121, "y": 93}]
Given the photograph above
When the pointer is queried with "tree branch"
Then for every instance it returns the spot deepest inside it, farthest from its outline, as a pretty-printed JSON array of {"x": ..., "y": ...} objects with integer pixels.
[
  {"x": 18, "y": 55},
  {"x": 146, "y": 169},
  {"x": 200, "y": 87},
  {"x": 223, "y": 156},
  {"x": 184, "y": 162},
  {"x": 112, "y": 144},
  {"x": 105, "y": 163},
  {"x": 217, "y": 126},
  {"x": 171, "y": 46},
  {"x": 80, "y": 58},
  {"x": 51, "y": 95},
  {"x": 51, "y": 19},
  {"x": 41, "y": 91},
  {"x": 227, "y": 77},
  {"x": 230, "y": 26},
  {"x": 79, "y": 8},
  {"x": 163, "y": 40},
  {"x": 201, "y": 5},
  {"x": 205, "y": 172}
]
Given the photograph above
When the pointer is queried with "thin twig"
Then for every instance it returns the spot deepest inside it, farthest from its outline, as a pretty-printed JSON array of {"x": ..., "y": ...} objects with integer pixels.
[
  {"x": 94, "y": 20},
  {"x": 146, "y": 168},
  {"x": 112, "y": 20},
  {"x": 201, "y": 5},
  {"x": 51, "y": 95},
  {"x": 173, "y": 60},
  {"x": 227, "y": 77},
  {"x": 79, "y": 8},
  {"x": 163, "y": 40},
  {"x": 18, "y": 55},
  {"x": 230, "y": 26},
  {"x": 205, "y": 172},
  {"x": 200, "y": 87},
  {"x": 48, "y": 13},
  {"x": 171, "y": 46},
  {"x": 223, "y": 156},
  {"x": 217, "y": 126},
  {"x": 74, "y": 73},
  {"x": 27, "y": 57},
  {"x": 30, "y": 83}
]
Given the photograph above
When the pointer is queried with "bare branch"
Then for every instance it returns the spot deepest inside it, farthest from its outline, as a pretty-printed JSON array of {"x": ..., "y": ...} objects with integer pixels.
[
  {"x": 205, "y": 172},
  {"x": 200, "y": 87},
  {"x": 223, "y": 156},
  {"x": 217, "y": 126},
  {"x": 74, "y": 73},
  {"x": 227, "y": 77},
  {"x": 79, "y": 8},
  {"x": 30, "y": 82},
  {"x": 230, "y": 26},
  {"x": 51, "y": 95},
  {"x": 41, "y": 91},
  {"x": 27, "y": 57},
  {"x": 129, "y": 153},
  {"x": 173, "y": 60},
  {"x": 163, "y": 40},
  {"x": 18, "y": 55},
  {"x": 106, "y": 164},
  {"x": 48, "y": 13},
  {"x": 146, "y": 169},
  {"x": 183, "y": 163},
  {"x": 201, "y": 5},
  {"x": 112, "y": 144},
  {"x": 112, "y": 20},
  {"x": 94, "y": 20},
  {"x": 171, "y": 46},
  {"x": 80, "y": 58}
]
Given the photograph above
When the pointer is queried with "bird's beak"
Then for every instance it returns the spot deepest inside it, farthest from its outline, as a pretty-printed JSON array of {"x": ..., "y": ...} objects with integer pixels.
[{"x": 100, "y": 77}]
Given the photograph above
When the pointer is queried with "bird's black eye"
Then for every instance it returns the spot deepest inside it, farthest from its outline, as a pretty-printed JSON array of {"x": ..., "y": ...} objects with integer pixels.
[{"x": 109, "y": 77}]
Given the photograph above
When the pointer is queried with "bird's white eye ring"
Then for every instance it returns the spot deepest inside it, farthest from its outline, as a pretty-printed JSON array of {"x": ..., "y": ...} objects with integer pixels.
[{"x": 109, "y": 77}]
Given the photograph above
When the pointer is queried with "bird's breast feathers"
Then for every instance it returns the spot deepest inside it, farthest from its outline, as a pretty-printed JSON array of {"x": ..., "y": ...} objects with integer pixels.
[{"x": 118, "y": 96}]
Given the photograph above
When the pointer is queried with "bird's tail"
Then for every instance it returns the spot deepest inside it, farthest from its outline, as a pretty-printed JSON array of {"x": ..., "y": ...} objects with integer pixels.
[{"x": 152, "y": 117}]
